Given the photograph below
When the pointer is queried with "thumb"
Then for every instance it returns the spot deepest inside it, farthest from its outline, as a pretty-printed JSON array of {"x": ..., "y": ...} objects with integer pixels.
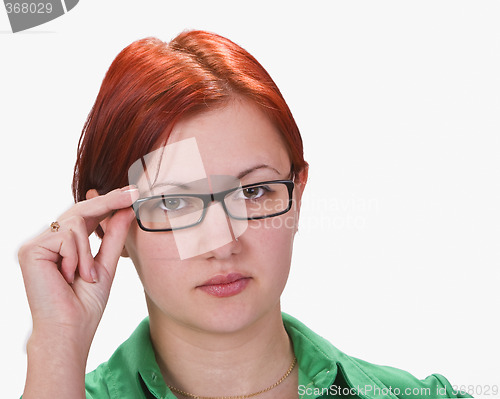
[{"x": 113, "y": 241}]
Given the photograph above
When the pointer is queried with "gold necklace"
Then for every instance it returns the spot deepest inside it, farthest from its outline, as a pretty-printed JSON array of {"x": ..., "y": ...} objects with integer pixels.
[{"x": 190, "y": 395}]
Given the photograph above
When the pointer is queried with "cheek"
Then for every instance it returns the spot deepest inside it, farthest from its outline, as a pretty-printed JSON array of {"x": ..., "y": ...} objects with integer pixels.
[
  {"x": 278, "y": 231},
  {"x": 154, "y": 255},
  {"x": 272, "y": 241},
  {"x": 150, "y": 246}
]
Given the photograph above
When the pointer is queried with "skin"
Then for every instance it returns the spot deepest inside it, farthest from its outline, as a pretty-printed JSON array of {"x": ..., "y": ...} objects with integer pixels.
[{"x": 204, "y": 345}]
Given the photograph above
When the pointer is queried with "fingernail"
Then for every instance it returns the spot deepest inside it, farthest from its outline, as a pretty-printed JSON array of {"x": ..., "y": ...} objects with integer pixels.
[
  {"x": 130, "y": 188},
  {"x": 93, "y": 274}
]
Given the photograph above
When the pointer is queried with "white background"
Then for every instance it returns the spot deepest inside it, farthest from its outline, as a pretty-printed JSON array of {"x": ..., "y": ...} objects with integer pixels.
[{"x": 397, "y": 257}]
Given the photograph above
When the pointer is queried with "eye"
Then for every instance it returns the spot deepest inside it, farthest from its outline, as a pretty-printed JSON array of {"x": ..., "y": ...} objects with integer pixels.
[
  {"x": 252, "y": 193},
  {"x": 172, "y": 204}
]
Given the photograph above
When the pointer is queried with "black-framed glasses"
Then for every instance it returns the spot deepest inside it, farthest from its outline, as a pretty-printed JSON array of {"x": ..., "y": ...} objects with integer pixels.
[{"x": 175, "y": 211}]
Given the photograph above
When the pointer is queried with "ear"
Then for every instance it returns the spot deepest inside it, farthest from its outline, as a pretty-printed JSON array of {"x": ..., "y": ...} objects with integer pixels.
[
  {"x": 300, "y": 181},
  {"x": 93, "y": 194}
]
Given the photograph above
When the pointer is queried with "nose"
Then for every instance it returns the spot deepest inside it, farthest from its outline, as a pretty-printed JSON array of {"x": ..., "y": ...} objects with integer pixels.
[
  {"x": 220, "y": 236},
  {"x": 216, "y": 236}
]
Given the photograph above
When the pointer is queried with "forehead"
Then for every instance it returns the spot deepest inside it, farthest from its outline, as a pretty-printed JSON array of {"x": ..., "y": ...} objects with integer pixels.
[{"x": 234, "y": 138}]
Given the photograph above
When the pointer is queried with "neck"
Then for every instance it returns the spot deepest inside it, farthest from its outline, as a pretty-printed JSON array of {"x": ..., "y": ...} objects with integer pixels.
[{"x": 223, "y": 364}]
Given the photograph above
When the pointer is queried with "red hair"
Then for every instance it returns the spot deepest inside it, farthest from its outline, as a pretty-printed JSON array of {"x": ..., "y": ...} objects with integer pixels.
[{"x": 151, "y": 85}]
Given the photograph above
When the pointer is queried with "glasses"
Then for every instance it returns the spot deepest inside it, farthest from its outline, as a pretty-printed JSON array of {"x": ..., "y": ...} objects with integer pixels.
[{"x": 180, "y": 211}]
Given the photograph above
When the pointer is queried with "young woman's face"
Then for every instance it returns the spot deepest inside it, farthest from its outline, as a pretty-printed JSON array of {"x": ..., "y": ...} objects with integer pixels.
[{"x": 249, "y": 260}]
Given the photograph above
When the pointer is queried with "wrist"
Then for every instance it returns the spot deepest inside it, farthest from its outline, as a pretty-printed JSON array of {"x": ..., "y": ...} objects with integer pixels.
[
  {"x": 59, "y": 343},
  {"x": 56, "y": 367}
]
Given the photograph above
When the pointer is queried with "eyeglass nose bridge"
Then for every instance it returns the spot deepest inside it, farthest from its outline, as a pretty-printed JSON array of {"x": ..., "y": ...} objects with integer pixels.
[{"x": 214, "y": 198}]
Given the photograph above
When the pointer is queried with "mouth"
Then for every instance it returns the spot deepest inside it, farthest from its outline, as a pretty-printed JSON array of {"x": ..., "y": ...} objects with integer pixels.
[{"x": 224, "y": 286}]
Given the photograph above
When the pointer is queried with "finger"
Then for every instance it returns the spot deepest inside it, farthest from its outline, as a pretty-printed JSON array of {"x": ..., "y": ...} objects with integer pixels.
[
  {"x": 69, "y": 254},
  {"x": 96, "y": 209},
  {"x": 44, "y": 252},
  {"x": 86, "y": 267},
  {"x": 113, "y": 240},
  {"x": 55, "y": 248},
  {"x": 102, "y": 205}
]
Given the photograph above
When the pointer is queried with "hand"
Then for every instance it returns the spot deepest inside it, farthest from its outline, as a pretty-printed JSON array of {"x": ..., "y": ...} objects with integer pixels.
[{"x": 67, "y": 287}]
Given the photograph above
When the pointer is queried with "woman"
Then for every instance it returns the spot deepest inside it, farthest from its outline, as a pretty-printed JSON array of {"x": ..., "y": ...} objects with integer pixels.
[{"x": 215, "y": 179}]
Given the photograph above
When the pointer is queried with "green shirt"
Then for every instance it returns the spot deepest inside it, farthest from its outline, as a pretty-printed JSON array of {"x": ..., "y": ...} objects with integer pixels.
[{"x": 324, "y": 372}]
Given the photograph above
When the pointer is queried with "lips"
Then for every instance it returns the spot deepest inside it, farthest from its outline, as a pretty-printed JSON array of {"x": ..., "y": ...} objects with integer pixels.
[
  {"x": 224, "y": 286},
  {"x": 221, "y": 279}
]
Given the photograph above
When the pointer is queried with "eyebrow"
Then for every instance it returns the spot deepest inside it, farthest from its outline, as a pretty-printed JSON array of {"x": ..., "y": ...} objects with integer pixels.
[
  {"x": 254, "y": 168},
  {"x": 169, "y": 183}
]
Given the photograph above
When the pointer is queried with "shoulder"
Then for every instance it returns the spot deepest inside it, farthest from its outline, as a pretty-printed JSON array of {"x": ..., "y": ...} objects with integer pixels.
[
  {"x": 323, "y": 366},
  {"x": 99, "y": 384},
  {"x": 402, "y": 383}
]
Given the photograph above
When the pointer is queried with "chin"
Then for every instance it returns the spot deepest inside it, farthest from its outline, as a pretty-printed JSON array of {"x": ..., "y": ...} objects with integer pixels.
[
  {"x": 226, "y": 319},
  {"x": 233, "y": 317}
]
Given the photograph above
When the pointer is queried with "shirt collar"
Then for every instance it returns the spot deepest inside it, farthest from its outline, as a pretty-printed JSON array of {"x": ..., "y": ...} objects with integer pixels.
[
  {"x": 320, "y": 363},
  {"x": 137, "y": 361},
  {"x": 315, "y": 355}
]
